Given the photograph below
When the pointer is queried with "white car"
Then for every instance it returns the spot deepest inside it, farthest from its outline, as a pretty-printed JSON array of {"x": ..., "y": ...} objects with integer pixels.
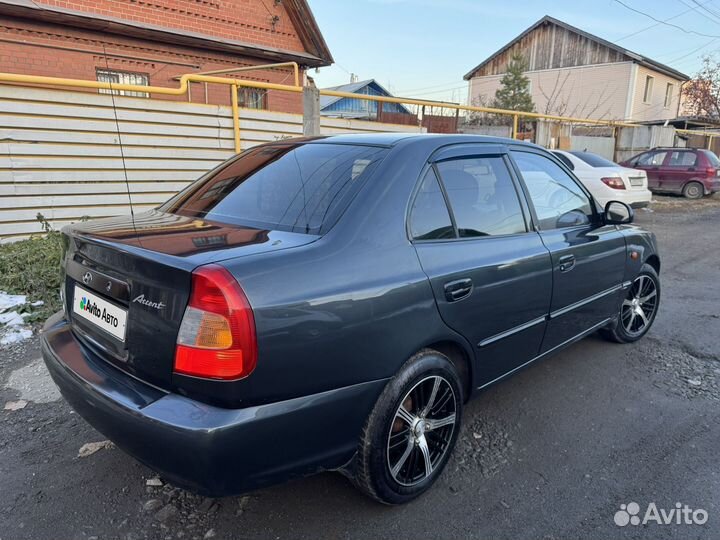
[{"x": 608, "y": 181}]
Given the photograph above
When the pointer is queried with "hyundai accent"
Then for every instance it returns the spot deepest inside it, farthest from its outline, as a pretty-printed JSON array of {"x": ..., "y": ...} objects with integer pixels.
[{"x": 331, "y": 303}]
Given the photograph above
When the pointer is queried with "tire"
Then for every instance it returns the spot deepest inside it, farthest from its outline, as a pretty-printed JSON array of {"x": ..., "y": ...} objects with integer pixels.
[
  {"x": 693, "y": 190},
  {"x": 643, "y": 294},
  {"x": 391, "y": 464}
]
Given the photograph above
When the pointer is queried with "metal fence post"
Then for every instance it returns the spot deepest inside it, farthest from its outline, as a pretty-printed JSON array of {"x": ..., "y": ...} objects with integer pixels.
[
  {"x": 311, "y": 111},
  {"x": 236, "y": 117},
  {"x": 515, "y": 126}
]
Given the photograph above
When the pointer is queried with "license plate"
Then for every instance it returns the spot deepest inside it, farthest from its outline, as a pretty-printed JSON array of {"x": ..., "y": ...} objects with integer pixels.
[
  {"x": 100, "y": 312},
  {"x": 636, "y": 181}
]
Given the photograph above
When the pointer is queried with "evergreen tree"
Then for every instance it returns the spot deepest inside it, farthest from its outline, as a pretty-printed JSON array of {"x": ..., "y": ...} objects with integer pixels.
[{"x": 514, "y": 93}]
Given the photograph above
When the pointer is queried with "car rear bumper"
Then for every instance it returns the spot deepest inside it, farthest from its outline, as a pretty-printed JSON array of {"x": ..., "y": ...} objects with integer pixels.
[
  {"x": 635, "y": 198},
  {"x": 208, "y": 449},
  {"x": 712, "y": 186}
]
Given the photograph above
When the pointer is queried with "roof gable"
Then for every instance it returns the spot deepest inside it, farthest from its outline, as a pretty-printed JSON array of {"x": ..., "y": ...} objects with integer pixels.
[
  {"x": 354, "y": 88},
  {"x": 552, "y": 44}
]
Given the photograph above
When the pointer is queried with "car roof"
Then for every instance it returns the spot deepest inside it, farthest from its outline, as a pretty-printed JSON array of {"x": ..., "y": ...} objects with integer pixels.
[{"x": 392, "y": 139}]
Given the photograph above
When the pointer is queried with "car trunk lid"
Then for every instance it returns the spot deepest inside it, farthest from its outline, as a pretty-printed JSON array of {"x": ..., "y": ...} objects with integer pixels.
[{"x": 140, "y": 271}]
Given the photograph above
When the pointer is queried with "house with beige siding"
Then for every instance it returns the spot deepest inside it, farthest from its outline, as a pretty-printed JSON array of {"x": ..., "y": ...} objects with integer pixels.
[{"x": 574, "y": 73}]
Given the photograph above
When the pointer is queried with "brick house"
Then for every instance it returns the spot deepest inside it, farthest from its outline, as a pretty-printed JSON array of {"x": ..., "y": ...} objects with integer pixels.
[
  {"x": 574, "y": 73},
  {"x": 153, "y": 42}
]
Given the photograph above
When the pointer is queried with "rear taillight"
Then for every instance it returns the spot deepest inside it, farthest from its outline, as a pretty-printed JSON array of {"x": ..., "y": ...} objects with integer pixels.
[
  {"x": 613, "y": 182},
  {"x": 711, "y": 171},
  {"x": 217, "y": 334}
]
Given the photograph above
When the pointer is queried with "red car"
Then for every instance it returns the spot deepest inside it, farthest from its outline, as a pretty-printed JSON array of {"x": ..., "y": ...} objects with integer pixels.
[{"x": 691, "y": 171}]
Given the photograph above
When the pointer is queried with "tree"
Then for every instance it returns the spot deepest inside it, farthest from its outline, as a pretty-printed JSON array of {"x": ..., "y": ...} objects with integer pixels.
[
  {"x": 514, "y": 93},
  {"x": 701, "y": 95}
]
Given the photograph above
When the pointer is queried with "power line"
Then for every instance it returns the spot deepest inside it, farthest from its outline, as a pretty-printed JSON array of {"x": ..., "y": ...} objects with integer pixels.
[
  {"x": 691, "y": 8},
  {"x": 712, "y": 13},
  {"x": 693, "y": 51},
  {"x": 659, "y": 21}
]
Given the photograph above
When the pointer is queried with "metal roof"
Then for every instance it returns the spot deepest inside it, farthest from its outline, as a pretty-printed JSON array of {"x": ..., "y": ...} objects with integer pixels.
[
  {"x": 353, "y": 88},
  {"x": 635, "y": 57}
]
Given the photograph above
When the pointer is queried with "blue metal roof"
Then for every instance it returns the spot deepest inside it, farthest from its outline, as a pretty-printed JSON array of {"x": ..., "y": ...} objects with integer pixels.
[{"x": 339, "y": 105}]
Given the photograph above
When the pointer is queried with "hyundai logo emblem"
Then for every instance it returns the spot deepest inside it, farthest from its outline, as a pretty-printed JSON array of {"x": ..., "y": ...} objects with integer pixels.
[{"x": 87, "y": 278}]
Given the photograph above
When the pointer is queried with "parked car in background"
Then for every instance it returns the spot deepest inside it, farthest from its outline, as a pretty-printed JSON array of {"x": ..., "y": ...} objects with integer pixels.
[
  {"x": 331, "y": 304},
  {"x": 693, "y": 172},
  {"x": 606, "y": 180}
]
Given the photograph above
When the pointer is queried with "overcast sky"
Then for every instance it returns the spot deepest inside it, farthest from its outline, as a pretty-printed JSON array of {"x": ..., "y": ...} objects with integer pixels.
[{"x": 424, "y": 47}]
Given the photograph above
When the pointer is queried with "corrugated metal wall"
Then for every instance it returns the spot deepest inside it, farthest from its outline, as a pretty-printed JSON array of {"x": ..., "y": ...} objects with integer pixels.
[{"x": 59, "y": 151}]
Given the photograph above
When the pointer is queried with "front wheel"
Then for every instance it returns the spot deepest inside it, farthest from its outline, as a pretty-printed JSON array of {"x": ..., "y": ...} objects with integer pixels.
[
  {"x": 638, "y": 309},
  {"x": 411, "y": 431}
]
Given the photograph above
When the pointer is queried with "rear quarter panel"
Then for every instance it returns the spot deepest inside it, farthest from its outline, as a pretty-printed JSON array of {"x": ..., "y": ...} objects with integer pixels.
[{"x": 349, "y": 308}]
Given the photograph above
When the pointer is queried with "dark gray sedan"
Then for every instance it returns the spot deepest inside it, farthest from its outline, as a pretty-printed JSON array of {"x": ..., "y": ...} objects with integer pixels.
[{"x": 332, "y": 303}]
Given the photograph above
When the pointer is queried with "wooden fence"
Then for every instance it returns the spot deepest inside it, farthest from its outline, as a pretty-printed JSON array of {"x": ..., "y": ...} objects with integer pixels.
[{"x": 60, "y": 156}]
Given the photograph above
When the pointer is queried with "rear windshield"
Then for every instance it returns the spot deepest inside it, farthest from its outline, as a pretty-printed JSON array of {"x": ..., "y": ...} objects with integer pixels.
[
  {"x": 594, "y": 160},
  {"x": 292, "y": 187},
  {"x": 712, "y": 158}
]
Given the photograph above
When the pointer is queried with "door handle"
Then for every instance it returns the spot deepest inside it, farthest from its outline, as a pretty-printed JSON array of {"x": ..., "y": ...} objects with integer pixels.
[
  {"x": 458, "y": 289},
  {"x": 567, "y": 263}
]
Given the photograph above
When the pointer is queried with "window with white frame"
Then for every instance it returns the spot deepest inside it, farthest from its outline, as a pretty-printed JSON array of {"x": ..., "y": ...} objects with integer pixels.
[
  {"x": 123, "y": 77},
  {"x": 647, "y": 95},
  {"x": 668, "y": 95}
]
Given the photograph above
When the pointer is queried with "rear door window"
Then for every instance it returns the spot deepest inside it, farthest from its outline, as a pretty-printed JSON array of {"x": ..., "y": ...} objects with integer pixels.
[
  {"x": 482, "y": 196},
  {"x": 429, "y": 217},
  {"x": 293, "y": 187},
  {"x": 682, "y": 159}
]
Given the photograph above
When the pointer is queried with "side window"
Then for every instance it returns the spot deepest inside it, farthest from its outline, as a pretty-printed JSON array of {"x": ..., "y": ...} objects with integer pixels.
[
  {"x": 682, "y": 159},
  {"x": 482, "y": 196},
  {"x": 558, "y": 200},
  {"x": 652, "y": 159},
  {"x": 429, "y": 217}
]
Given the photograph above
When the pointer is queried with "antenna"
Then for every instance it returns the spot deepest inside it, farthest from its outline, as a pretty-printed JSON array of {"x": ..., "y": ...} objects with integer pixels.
[{"x": 122, "y": 153}]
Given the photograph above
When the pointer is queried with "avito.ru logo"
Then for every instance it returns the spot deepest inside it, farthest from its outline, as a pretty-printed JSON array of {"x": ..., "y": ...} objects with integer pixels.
[{"x": 682, "y": 514}]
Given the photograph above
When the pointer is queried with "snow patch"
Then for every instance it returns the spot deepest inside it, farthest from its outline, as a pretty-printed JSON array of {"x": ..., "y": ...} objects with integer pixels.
[
  {"x": 12, "y": 323},
  {"x": 8, "y": 301}
]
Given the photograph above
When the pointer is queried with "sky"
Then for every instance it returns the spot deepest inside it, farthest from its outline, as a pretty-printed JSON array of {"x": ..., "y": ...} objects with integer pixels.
[{"x": 422, "y": 48}]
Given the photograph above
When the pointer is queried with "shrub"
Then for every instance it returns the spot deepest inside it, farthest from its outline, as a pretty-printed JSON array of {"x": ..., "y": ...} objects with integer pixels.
[{"x": 32, "y": 267}]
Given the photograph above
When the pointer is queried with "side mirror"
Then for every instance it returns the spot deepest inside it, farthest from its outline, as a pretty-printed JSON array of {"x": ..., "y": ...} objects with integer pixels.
[{"x": 618, "y": 213}]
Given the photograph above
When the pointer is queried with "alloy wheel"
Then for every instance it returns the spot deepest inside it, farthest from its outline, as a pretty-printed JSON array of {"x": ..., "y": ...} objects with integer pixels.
[
  {"x": 638, "y": 308},
  {"x": 421, "y": 430}
]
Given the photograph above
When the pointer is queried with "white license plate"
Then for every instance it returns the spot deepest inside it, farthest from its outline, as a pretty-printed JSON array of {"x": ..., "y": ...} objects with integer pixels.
[
  {"x": 99, "y": 312},
  {"x": 637, "y": 181}
]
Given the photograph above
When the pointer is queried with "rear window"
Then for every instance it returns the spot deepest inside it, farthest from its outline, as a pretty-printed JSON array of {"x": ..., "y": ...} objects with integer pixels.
[
  {"x": 594, "y": 160},
  {"x": 291, "y": 187},
  {"x": 712, "y": 158},
  {"x": 565, "y": 160}
]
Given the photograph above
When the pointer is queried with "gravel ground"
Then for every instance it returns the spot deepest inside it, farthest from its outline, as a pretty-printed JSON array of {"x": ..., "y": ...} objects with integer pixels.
[{"x": 550, "y": 453}]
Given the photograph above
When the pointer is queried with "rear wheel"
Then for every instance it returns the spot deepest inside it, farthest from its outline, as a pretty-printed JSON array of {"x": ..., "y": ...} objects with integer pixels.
[
  {"x": 638, "y": 309},
  {"x": 693, "y": 190},
  {"x": 411, "y": 431}
]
